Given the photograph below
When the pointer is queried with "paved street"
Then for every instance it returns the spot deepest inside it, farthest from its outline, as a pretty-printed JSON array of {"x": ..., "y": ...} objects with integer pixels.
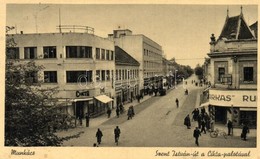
[{"x": 157, "y": 123}]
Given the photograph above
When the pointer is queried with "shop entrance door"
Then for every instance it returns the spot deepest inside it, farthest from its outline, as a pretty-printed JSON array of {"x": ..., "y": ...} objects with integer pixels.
[{"x": 220, "y": 114}]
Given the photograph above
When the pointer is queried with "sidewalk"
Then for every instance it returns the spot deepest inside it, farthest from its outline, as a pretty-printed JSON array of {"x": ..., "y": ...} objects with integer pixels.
[
  {"x": 236, "y": 131},
  {"x": 94, "y": 122}
]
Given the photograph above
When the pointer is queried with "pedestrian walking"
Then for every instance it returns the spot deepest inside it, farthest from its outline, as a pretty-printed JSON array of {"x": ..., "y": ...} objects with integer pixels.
[
  {"x": 117, "y": 112},
  {"x": 199, "y": 120},
  {"x": 203, "y": 125},
  {"x": 87, "y": 119},
  {"x": 177, "y": 102},
  {"x": 117, "y": 134},
  {"x": 122, "y": 109},
  {"x": 212, "y": 124},
  {"x": 196, "y": 134},
  {"x": 99, "y": 136},
  {"x": 187, "y": 121},
  {"x": 133, "y": 111},
  {"x": 245, "y": 130},
  {"x": 129, "y": 113},
  {"x": 230, "y": 127},
  {"x": 108, "y": 112}
]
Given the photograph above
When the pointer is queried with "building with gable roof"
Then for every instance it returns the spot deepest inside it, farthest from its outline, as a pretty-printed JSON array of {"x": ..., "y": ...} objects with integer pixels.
[
  {"x": 232, "y": 73},
  {"x": 126, "y": 77}
]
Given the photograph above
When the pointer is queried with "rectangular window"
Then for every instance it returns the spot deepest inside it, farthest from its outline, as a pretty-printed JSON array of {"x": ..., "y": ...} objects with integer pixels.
[
  {"x": 50, "y": 76},
  {"x": 97, "y": 53},
  {"x": 107, "y": 55},
  {"x": 98, "y": 75},
  {"x": 248, "y": 74},
  {"x": 125, "y": 74},
  {"x": 103, "y": 75},
  {"x": 144, "y": 52},
  {"x": 103, "y": 54},
  {"x": 79, "y": 76},
  {"x": 120, "y": 75},
  {"x": 30, "y": 52},
  {"x": 31, "y": 77},
  {"x": 12, "y": 53},
  {"x": 221, "y": 71},
  {"x": 49, "y": 52},
  {"x": 108, "y": 75},
  {"x": 116, "y": 74},
  {"x": 112, "y": 55},
  {"x": 78, "y": 52}
]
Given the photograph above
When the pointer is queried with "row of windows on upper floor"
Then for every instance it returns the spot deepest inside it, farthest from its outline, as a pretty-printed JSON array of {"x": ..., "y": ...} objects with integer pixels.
[
  {"x": 151, "y": 53},
  {"x": 127, "y": 74},
  {"x": 51, "y": 52},
  {"x": 75, "y": 76},
  {"x": 152, "y": 64}
]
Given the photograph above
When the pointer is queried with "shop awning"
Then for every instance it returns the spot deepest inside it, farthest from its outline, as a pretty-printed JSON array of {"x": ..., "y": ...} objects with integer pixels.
[
  {"x": 247, "y": 109},
  {"x": 104, "y": 98},
  {"x": 204, "y": 104},
  {"x": 82, "y": 99}
]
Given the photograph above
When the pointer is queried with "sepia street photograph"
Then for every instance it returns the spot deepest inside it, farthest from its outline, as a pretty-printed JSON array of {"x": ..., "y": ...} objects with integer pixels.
[{"x": 131, "y": 76}]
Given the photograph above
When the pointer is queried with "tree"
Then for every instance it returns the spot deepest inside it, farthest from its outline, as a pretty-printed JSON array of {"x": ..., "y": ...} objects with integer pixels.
[
  {"x": 199, "y": 71},
  {"x": 31, "y": 115}
]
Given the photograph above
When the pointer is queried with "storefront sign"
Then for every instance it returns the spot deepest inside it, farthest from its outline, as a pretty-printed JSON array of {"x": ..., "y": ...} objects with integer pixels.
[
  {"x": 83, "y": 93},
  {"x": 237, "y": 98}
]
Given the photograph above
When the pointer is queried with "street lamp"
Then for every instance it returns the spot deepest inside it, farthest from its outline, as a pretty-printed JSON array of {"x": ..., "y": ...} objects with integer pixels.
[{"x": 175, "y": 78}]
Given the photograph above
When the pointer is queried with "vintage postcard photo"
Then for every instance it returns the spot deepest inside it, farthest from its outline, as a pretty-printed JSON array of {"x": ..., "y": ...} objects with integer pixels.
[{"x": 133, "y": 80}]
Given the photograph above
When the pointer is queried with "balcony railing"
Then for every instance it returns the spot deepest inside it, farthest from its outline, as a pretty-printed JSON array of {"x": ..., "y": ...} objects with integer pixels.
[{"x": 75, "y": 29}]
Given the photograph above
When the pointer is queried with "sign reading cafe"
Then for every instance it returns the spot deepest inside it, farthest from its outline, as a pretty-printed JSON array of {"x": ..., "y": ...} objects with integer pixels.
[{"x": 236, "y": 98}]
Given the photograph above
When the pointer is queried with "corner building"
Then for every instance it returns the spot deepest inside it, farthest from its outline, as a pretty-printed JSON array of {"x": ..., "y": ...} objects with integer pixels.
[
  {"x": 80, "y": 65},
  {"x": 232, "y": 73}
]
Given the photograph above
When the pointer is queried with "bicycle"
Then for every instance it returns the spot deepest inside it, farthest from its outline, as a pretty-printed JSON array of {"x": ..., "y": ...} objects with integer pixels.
[{"x": 218, "y": 132}]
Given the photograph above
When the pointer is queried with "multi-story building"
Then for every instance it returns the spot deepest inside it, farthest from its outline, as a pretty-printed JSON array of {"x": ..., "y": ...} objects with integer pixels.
[
  {"x": 232, "y": 73},
  {"x": 147, "y": 52},
  {"x": 81, "y": 65},
  {"x": 126, "y": 76}
]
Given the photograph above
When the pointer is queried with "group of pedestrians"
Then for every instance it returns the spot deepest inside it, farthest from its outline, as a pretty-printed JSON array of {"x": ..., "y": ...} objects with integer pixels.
[{"x": 99, "y": 136}]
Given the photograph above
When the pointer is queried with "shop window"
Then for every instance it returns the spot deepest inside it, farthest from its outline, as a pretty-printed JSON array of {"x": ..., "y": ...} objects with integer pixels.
[
  {"x": 13, "y": 53},
  {"x": 78, "y": 52},
  {"x": 49, "y": 52},
  {"x": 30, "y": 53},
  {"x": 98, "y": 53},
  {"x": 248, "y": 74},
  {"x": 221, "y": 72},
  {"x": 78, "y": 76},
  {"x": 50, "y": 76}
]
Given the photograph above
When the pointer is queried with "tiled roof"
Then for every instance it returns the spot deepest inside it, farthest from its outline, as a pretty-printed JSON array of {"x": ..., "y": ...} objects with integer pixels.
[
  {"x": 123, "y": 58},
  {"x": 236, "y": 28}
]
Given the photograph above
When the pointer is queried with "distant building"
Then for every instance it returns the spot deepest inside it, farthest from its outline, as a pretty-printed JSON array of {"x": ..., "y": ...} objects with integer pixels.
[
  {"x": 232, "y": 72},
  {"x": 147, "y": 52},
  {"x": 81, "y": 65},
  {"x": 126, "y": 77}
]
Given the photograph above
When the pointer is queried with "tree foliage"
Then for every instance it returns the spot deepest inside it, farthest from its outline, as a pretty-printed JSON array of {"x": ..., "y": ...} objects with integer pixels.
[
  {"x": 199, "y": 71},
  {"x": 31, "y": 114}
]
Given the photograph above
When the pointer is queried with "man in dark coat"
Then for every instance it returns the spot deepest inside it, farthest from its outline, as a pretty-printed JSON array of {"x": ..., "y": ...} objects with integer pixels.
[
  {"x": 99, "y": 136},
  {"x": 117, "y": 111},
  {"x": 129, "y": 113},
  {"x": 203, "y": 125},
  {"x": 87, "y": 120},
  {"x": 230, "y": 127},
  {"x": 245, "y": 130},
  {"x": 108, "y": 112},
  {"x": 187, "y": 121},
  {"x": 177, "y": 102},
  {"x": 199, "y": 120},
  {"x": 196, "y": 135},
  {"x": 117, "y": 134}
]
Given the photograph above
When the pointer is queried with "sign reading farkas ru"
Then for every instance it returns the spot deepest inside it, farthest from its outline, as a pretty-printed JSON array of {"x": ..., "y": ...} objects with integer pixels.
[{"x": 235, "y": 97}]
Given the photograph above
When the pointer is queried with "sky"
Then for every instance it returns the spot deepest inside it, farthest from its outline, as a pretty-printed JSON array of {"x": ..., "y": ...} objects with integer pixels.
[{"x": 183, "y": 31}]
